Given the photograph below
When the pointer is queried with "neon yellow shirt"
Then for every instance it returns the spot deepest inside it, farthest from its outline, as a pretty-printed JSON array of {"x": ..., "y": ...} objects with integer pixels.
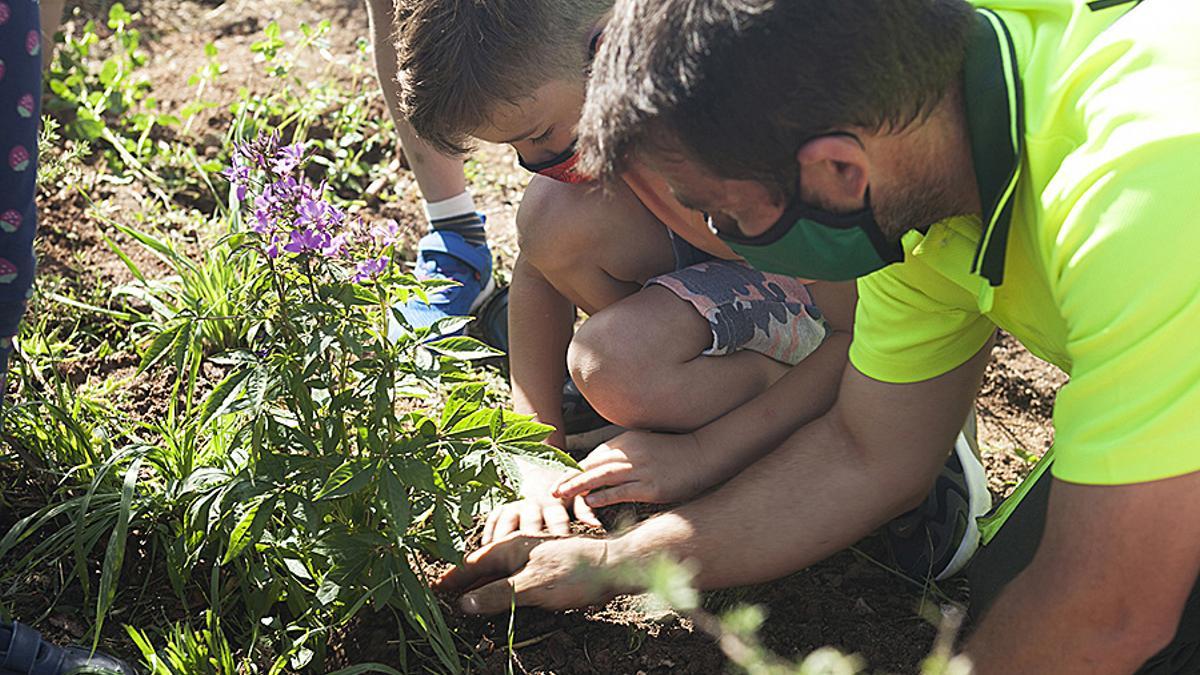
[{"x": 1100, "y": 256}]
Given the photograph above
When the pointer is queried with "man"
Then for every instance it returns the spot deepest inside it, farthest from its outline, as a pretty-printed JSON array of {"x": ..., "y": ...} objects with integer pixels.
[{"x": 1028, "y": 165}]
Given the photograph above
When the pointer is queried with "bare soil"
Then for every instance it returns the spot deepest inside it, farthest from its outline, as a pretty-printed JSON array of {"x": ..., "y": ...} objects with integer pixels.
[{"x": 851, "y": 601}]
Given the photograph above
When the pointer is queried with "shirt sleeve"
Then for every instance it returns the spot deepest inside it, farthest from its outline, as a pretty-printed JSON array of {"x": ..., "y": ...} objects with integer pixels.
[
  {"x": 1128, "y": 283},
  {"x": 913, "y": 324}
]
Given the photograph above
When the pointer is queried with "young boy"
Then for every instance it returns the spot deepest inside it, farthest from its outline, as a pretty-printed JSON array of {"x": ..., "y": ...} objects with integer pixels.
[{"x": 682, "y": 337}]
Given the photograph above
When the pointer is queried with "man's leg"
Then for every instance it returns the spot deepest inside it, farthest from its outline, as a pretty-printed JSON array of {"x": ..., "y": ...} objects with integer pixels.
[
  {"x": 456, "y": 246},
  {"x": 1012, "y": 547}
]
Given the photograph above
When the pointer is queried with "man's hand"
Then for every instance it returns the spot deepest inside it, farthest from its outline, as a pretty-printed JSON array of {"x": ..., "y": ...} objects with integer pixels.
[
  {"x": 537, "y": 514},
  {"x": 543, "y": 571},
  {"x": 639, "y": 466}
]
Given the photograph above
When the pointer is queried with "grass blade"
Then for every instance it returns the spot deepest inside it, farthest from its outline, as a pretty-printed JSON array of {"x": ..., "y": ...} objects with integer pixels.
[{"x": 114, "y": 556}]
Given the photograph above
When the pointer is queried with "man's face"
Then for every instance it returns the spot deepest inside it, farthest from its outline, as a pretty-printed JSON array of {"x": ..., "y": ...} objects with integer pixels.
[
  {"x": 540, "y": 127},
  {"x": 735, "y": 206}
]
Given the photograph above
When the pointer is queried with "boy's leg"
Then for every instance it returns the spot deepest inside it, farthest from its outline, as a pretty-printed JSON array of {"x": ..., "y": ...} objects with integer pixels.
[
  {"x": 694, "y": 345},
  {"x": 456, "y": 247},
  {"x": 579, "y": 247}
]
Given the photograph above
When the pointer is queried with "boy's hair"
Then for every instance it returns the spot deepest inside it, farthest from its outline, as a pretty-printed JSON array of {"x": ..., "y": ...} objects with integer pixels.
[
  {"x": 740, "y": 85},
  {"x": 458, "y": 59}
]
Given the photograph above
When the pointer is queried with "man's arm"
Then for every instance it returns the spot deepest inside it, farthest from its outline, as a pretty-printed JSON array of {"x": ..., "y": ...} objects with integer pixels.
[
  {"x": 1107, "y": 586},
  {"x": 870, "y": 458}
]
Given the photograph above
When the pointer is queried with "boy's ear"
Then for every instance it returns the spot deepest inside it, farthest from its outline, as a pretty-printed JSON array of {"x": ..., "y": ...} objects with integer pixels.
[{"x": 834, "y": 173}]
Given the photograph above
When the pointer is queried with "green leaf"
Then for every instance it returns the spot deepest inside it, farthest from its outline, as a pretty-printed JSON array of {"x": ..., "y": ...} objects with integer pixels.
[
  {"x": 546, "y": 454},
  {"x": 526, "y": 431},
  {"x": 222, "y": 398},
  {"x": 463, "y": 400},
  {"x": 395, "y": 500},
  {"x": 478, "y": 423},
  {"x": 463, "y": 348},
  {"x": 114, "y": 555},
  {"x": 161, "y": 345},
  {"x": 249, "y": 527},
  {"x": 345, "y": 480}
]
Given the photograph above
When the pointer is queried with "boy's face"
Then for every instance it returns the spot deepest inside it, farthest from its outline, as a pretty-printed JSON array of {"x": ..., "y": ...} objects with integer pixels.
[{"x": 540, "y": 127}]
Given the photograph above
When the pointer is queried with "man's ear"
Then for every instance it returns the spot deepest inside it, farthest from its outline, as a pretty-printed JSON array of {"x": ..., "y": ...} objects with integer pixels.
[{"x": 834, "y": 173}]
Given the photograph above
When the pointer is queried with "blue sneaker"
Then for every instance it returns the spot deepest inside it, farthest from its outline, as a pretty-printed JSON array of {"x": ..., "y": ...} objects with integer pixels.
[{"x": 446, "y": 255}]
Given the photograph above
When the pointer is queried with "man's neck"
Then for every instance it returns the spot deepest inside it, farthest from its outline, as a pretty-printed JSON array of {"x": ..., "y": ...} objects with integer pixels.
[{"x": 926, "y": 171}]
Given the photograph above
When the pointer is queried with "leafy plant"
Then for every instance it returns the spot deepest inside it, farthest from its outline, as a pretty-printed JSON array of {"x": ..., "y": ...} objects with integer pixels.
[
  {"x": 308, "y": 476},
  {"x": 108, "y": 103}
]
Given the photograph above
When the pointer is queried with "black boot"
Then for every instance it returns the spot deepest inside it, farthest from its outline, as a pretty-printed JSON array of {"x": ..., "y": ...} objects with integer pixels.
[{"x": 24, "y": 652}]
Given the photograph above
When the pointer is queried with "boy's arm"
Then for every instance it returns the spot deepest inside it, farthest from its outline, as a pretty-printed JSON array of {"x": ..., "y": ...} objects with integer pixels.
[{"x": 540, "y": 325}]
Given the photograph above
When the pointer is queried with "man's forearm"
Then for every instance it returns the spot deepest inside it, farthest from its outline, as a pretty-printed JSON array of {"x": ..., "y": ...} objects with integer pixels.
[
  {"x": 813, "y": 496},
  {"x": 540, "y": 325},
  {"x": 745, "y": 434},
  {"x": 1057, "y": 636},
  {"x": 870, "y": 458}
]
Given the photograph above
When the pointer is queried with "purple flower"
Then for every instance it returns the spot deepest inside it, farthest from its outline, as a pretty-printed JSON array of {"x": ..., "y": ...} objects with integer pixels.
[
  {"x": 238, "y": 176},
  {"x": 306, "y": 240},
  {"x": 369, "y": 269},
  {"x": 262, "y": 224},
  {"x": 386, "y": 234},
  {"x": 335, "y": 247},
  {"x": 287, "y": 159},
  {"x": 311, "y": 212}
]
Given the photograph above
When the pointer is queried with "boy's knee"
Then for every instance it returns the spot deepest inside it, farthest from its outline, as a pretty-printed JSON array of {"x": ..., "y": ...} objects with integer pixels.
[{"x": 616, "y": 370}]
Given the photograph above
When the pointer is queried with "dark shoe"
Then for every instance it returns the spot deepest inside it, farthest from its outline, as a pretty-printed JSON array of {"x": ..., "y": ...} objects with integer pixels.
[
  {"x": 24, "y": 652},
  {"x": 584, "y": 427},
  {"x": 937, "y": 539}
]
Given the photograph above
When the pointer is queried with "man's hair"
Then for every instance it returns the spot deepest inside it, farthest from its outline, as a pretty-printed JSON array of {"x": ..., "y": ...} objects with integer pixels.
[
  {"x": 458, "y": 59},
  {"x": 740, "y": 85}
]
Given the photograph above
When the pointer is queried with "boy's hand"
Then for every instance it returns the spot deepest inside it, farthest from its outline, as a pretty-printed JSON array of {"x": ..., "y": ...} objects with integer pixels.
[
  {"x": 639, "y": 466},
  {"x": 537, "y": 515}
]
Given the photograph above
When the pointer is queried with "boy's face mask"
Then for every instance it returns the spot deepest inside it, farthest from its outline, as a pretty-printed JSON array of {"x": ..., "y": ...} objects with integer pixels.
[
  {"x": 561, "y": 168},
  {"x": 812, "y": 243}
]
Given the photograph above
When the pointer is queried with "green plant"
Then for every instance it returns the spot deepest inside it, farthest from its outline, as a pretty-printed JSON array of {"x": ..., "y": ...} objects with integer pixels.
[
  {"x": 59, "y": 160},
  {"x": 309, "y": 475},
  {"x": 345, "y": 126},
  {"x": 187, "y": 650},
  {"x": 108, "y": 102}
]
